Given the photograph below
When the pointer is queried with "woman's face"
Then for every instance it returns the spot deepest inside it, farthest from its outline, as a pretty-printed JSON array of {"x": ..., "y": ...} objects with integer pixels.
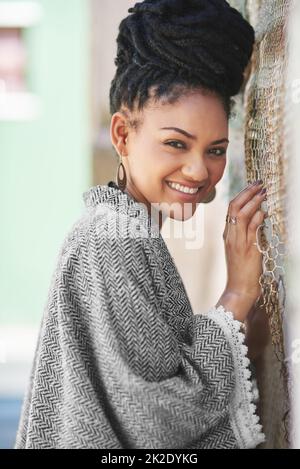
[{"x": 193, "y": 156}]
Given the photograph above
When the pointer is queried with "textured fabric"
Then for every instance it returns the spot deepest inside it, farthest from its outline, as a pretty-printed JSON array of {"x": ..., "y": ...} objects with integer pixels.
[{"x": 121, "y": 360}]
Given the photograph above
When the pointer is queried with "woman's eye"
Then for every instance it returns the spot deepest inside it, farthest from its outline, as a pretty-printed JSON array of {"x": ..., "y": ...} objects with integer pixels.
[
  {"x": 218, "y": 151},
  {"x": 176, "y": 142}
]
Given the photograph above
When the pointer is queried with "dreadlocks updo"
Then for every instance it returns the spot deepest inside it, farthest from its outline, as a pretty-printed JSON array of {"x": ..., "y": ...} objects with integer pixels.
[{"x": 179, "y": 45}]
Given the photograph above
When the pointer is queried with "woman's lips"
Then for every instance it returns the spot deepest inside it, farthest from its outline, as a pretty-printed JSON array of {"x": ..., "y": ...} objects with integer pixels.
[{"x": 185, "y": 197}]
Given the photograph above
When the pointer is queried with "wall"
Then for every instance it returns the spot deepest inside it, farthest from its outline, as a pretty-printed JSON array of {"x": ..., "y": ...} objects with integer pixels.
[
  {"x": 44, "y": 163},
  {"x": 45, "y": 166}
]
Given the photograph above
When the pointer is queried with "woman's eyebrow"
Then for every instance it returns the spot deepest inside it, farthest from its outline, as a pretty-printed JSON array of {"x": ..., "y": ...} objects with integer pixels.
[{"x": 187, "y": 134}]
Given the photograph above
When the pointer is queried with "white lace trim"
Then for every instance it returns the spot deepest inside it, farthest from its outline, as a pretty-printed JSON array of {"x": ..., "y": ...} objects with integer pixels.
[{"x": 244, "y": 421}]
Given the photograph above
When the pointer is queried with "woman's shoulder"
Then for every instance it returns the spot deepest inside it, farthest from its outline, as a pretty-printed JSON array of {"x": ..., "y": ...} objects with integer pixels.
[
  {"x": 111, "y": 217},
  {"x": 116, "y": 214},
  {"x": 112, "y": 240},
  {"x": 112, "y": 236}
]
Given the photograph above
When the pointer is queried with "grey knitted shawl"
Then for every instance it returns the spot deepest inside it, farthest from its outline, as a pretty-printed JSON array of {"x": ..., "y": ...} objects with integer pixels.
[{"x": 121, "y": 361}]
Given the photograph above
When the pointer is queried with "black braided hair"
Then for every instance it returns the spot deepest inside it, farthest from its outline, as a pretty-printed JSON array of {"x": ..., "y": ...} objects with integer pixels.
[{"x": 176, "y": 46}]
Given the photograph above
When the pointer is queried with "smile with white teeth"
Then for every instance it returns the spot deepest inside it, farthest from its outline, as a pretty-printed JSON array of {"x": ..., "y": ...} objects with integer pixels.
[{"x": 185, "y": 189}]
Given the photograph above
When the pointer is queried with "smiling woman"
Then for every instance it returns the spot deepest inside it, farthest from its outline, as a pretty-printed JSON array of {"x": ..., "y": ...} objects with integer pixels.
[
  {"x": 121, "y": 360},
  {"x": 153, "y": 157}
]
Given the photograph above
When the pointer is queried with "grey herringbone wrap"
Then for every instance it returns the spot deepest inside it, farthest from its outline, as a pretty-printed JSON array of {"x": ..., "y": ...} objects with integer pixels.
[{"x": 121, "y": 360}]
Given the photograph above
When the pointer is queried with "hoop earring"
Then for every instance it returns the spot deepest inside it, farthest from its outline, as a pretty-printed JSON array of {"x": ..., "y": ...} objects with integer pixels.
[
  {"x": 210, "y": 196},
  {"x": 122, "y": 180}
]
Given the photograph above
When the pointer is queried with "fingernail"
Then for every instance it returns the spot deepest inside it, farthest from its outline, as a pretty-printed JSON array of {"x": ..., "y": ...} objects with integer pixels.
[
  {"x": 263, "y": 191},
  {"x": 259, "y": 182}
]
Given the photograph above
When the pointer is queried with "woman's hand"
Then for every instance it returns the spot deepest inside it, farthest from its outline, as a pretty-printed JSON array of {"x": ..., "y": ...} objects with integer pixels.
[{"x": 243, "y": 259}]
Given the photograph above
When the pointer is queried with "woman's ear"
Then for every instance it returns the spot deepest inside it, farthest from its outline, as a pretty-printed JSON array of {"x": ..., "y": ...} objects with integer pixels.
[{"x": 119, "y": 133}]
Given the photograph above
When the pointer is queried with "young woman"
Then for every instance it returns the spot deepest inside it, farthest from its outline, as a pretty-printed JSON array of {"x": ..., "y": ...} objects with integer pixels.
[{"x": 121, "y": 360}]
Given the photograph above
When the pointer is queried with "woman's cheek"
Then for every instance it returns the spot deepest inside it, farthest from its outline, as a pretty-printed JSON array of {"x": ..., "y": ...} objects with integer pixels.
[{"x": 217, "y": 172}]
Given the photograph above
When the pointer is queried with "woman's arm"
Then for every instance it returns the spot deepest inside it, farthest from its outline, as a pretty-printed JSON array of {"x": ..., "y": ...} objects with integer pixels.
[
  {"x": 256, "y": 323},
  {"x": 257, "y": 330}
]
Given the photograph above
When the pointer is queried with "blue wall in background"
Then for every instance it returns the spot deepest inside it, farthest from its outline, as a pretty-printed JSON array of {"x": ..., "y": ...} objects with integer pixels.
[{"x": 9, "y": 418}]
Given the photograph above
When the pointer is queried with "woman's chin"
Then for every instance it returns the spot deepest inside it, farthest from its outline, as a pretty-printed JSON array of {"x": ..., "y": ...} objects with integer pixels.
[{"x": 181, "y": 214}]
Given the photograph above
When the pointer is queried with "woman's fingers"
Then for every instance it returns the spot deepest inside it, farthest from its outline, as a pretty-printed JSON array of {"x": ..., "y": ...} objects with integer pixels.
[
  {"x": 249, "y": 209},
  {"x": 256, "y": 221},
  {"x": 249, "y": 215},
  {"x": 241, "y": 201}
]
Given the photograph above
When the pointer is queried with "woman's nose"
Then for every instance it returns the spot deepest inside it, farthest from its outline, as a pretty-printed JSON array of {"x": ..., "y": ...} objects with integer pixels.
[{"x": 196, "y": 170}]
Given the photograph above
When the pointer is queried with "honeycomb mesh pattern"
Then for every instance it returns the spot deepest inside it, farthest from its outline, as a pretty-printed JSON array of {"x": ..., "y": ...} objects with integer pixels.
[{"x": 265, "y": 159}]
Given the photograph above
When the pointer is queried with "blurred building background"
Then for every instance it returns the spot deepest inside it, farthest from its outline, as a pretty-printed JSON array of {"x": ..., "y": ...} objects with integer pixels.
[
  {"x": 56, "y": 65},
  {"x": 45, "y": 164}
]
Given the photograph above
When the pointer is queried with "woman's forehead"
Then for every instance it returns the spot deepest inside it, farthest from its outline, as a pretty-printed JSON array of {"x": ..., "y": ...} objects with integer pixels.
[{"x": 187, "y": 111}]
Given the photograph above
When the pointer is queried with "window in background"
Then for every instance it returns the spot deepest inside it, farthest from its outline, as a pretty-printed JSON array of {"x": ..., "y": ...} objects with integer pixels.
[{"x": 16, "y": 102}]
